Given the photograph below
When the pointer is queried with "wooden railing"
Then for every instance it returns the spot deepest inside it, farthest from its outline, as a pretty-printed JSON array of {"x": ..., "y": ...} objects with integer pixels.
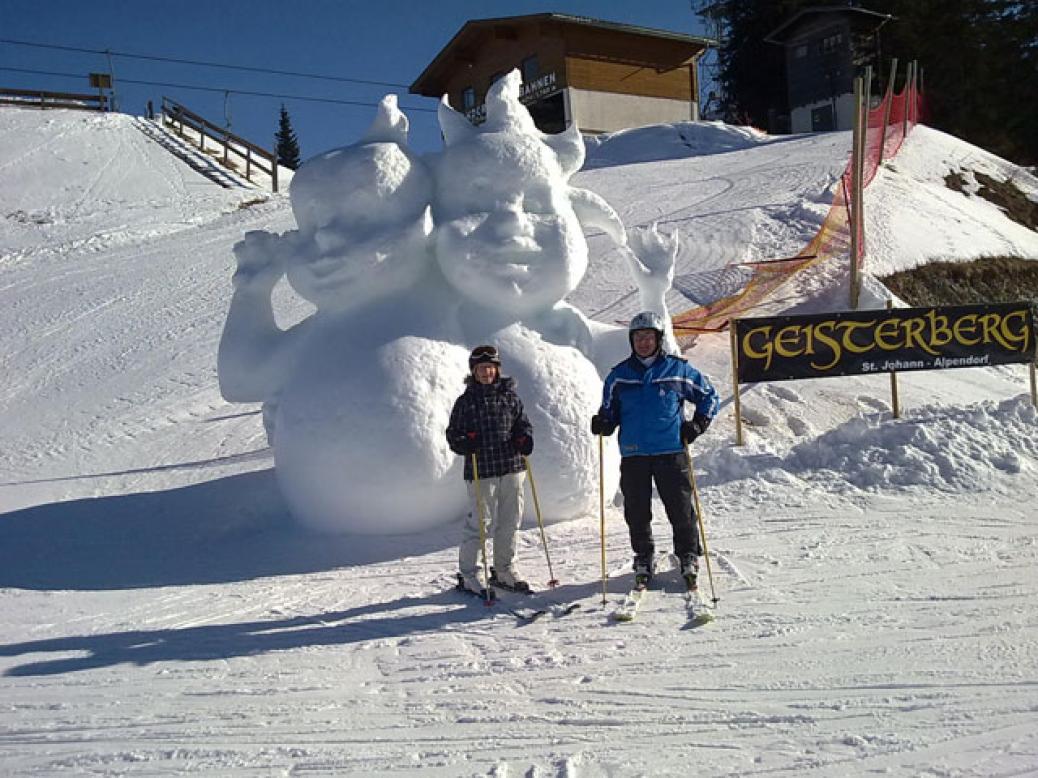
[
  {"x": 255, "y": 158},
  {"x": 38, "y": 98}
]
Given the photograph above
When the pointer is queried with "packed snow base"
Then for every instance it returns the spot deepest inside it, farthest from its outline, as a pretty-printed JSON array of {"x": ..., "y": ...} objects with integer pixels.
[{"x": 162, "y": 614}]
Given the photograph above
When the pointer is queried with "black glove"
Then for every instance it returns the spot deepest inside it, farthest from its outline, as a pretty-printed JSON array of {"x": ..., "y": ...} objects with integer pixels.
[
  {"x": 601, "y": 426},
  {"x": 523, "y": 444},
  {"x": 690, "y": 430},
  {"x": 465, "y": 444}
]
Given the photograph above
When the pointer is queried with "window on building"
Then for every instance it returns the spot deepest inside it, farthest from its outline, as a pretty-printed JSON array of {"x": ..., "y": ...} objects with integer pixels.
[
  {"x": 530, "y": 69},
  {"x": 831, "y": 43},
  {"x": 468, "y": 98},
  {"x": 822, "y": 119},
  {"x": 799, "y": 52}
]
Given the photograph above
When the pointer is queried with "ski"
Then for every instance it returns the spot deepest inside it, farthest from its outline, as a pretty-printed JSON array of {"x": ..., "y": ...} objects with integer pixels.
[
  {"x": 527, "y": 615},
  {"x": 555, "y": 610},
  {"x": 696, "y": 611}
]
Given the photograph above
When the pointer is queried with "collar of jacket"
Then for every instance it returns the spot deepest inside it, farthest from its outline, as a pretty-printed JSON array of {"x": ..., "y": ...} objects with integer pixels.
[{"x": 502, "y": 384}]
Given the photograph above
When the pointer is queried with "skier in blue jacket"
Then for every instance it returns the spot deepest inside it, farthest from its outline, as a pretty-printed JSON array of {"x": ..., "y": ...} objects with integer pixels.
[{"x": 645, "y": 396}]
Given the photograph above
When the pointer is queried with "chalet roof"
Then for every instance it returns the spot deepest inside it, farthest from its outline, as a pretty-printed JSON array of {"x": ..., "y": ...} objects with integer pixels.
[
  {"x": 471, "y": 31},
  {"x": 781, "y": 33}
]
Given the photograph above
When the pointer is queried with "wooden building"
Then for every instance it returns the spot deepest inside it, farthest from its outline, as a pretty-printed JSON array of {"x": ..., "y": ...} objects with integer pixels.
[
  {"x": 601, "y": 75},
  {"x": 826, "y": 47}
]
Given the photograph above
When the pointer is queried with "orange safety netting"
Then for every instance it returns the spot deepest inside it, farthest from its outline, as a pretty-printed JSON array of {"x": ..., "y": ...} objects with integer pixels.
[{"x": 738, "y": 288}]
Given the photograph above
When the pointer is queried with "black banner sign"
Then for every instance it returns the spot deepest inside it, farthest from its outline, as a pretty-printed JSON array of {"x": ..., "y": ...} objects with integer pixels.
[{"x": 883, "y": 341}]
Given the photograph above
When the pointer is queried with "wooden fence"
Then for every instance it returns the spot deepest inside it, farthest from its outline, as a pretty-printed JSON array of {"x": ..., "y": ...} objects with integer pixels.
[
  {"x": 38, "y": 98},
  {"x": 255, "y": 158}
]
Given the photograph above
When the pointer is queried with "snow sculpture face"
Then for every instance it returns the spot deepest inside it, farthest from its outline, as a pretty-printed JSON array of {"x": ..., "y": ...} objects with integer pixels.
[
  {"x": 507, "y": 233},
  {"x": 363, "y": 216}
]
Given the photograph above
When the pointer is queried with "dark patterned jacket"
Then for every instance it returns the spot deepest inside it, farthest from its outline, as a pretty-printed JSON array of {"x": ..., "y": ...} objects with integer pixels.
[{"x": 495, "y": 413}]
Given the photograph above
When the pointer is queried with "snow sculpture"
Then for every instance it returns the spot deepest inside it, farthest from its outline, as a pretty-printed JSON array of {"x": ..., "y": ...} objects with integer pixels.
[
  {"x": 356, "y": 446},
  {"x": 409, "y": 262}
]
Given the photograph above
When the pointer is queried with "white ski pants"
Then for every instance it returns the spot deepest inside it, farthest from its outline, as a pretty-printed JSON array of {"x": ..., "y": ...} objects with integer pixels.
[{"x": 502, "y": 499}]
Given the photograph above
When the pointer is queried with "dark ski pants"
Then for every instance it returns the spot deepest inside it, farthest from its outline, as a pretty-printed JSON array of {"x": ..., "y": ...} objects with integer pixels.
[{"x": 670, "y": 472}]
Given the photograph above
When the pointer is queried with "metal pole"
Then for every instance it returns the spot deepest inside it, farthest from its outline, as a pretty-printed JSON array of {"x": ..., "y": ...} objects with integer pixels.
[
  {"x": 601, "y": 513},
  {"x": 553, "y": 581},
  {"x": 702, "y": 529},
  {"x": 113, "y": 104}
]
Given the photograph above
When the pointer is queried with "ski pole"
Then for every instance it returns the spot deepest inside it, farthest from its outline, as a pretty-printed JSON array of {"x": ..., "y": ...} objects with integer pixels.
[
  {"x": 482, "y": 529},
  {"x": 702, "y": 529},
  {"x": 540, "y": 522},
  {"x": 601, "y": 512}
]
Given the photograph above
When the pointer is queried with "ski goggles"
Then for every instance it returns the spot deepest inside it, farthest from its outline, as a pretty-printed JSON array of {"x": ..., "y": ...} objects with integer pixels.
[{"x": 484, "y": 354}]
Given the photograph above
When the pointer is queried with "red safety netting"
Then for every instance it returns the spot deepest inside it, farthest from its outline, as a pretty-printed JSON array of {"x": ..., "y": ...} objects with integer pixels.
[{"x": 738, "y": 288}]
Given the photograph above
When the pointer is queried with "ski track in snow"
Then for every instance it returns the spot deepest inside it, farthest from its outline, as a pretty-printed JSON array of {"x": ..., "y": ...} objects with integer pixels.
[{"x": 162, "y": 616}]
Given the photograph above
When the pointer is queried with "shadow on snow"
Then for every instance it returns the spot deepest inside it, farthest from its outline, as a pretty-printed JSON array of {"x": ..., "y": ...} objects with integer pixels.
[
  {"x": 229, "y": 529},
  {"x": 375, "y": 621}
]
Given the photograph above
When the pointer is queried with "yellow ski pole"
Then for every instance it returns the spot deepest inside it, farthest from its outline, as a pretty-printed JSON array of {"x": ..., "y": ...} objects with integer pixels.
[
  {"x": 482, "y": 531},
  {"x": 702, "y": 529},
  {"x": 553, "y": 582},
  {"x": 601, "y": 511}
]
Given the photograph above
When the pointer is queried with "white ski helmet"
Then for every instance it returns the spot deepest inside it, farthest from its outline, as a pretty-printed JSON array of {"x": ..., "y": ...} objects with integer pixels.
[{"x": 647, "y": 320}]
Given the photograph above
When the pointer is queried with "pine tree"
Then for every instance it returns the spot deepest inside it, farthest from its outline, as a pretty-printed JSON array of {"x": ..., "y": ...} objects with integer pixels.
[{"x": 287, "y": 145}]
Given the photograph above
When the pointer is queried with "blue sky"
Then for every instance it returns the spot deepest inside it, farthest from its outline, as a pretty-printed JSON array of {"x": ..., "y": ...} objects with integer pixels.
[{"x": 388, "y": 41}]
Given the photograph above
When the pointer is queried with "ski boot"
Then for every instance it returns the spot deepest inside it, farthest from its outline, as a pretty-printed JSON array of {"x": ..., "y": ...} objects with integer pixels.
[
  {"x": 508, "y": 580},
  {"x": 471, "y": 584},
  {"x": 642, "y": 572},
  {"x": 690, "y": 571}
]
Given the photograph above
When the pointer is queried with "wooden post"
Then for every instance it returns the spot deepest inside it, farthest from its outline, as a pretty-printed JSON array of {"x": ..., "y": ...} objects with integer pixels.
[
  {"x": 908, "y": 99},
  {"x": 914, "y": 93},
  {"x": 888, "y": 97},
  {"x": 1034, "y": 386},
  {"x": 859, "y": 183},
  {"x": 735, "y": 382},
  {"x": 248, "y": 163},
  {"x": 855, "y": 176},
  {"x": 894, "y": 401},
  {"x": 274, "y": 172}
]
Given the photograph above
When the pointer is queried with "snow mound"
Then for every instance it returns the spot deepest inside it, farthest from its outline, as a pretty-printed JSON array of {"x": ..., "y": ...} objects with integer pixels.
[
  {"x": 656, "y": 142},
  {"x": 952, "y": 449}
]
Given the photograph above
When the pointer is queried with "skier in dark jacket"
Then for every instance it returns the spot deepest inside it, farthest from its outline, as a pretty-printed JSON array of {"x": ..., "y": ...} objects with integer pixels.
[
  {"x": 645, "y": 395},
  {"x": 488, "y": 420}
]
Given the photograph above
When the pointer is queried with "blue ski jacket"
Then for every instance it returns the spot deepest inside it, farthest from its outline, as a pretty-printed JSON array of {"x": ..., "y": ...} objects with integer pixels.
[{"x": 647, "y": 402}]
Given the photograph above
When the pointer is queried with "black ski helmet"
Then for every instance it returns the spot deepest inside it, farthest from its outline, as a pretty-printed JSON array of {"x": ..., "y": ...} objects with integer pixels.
[{"x": 481, "y": 354}]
